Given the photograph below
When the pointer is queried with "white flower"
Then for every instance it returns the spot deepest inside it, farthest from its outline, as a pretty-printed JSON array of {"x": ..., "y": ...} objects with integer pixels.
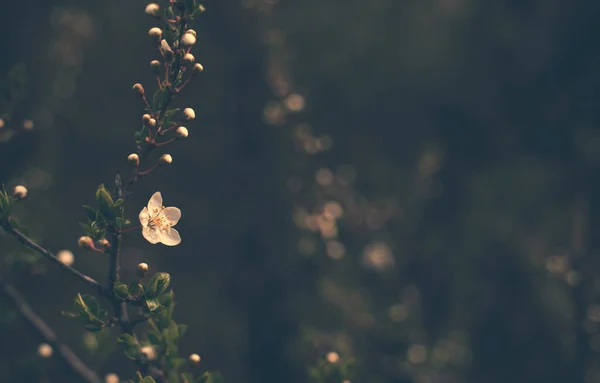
[{"x": 158, "y": 221}]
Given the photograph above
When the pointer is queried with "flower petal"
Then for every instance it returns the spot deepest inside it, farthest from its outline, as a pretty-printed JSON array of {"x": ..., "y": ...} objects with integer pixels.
[
  {"x": 156, "y": 202},
  {"x": 170, "y": 237},
  {"x": 173, "y": 214},
  {"x": 144, "y": 217},
  {"x": 151, "y": 235}
]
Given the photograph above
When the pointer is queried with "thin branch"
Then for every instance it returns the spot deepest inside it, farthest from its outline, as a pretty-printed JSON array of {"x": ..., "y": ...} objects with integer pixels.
[
  {"x": 114, "y": 268},
  {"x": 32, "y": 245},
  {"x": 48, "y": 335}
]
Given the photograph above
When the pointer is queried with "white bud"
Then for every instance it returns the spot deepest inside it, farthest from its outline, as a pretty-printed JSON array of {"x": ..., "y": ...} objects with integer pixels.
[
  {"x": 333, "y": 357},
  {"x": 152, "y": 123},
  {"x": 194, "y": 358},
  {"x": 155, "y": 33},
  {"x": 193, "y": 32},
  {"x": 86, "y": 242},
  {"x": 165, "y": 159},
  {"x": 1, "y": 123},
  {"x": 134, "y": 159},
  {"x": 149, "y": 351},
  {"x": 111, "y": 378},
  {"x": 152, "y": 9},
  {"x": 155, "y": 65},
  {"x": 188, "y": 39},
  {"x": 138, "y": 88},
  {"x": 27, "y": 124},
  {"x": 188, "y": 58},
  {"x": 142, "y": 269},
  {"x": 189, "y": 114},
  {"x": 181, "y": 132},
  {"x": 103, "y": 243},
  {"x": 197, "y": 69},
  {"x": 66, "y": 257},
  {"x": 45, "y": 350},
  {"x": 20, "y": 192}
]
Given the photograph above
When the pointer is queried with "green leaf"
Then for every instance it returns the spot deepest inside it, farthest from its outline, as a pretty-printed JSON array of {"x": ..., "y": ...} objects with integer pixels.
[
  {"x": 153, "y": 338},
  {"x": 159, "y": 99},
  {"x": 182, "y": 329},
  {"x": 157, "y": 285},
  {"x": 187, "y": 377},
  {"x": 166, "y": 299},
  {"x": 210, "y": 377},
  {"x": 91, "y": 212},
  {"x": 152, "y": 305},
  {"x": 121, "y": 290},
  {"x": 135, "y": 288},
  {"x": 130, "y": 345},
  {"x": 105, "y": 202},
  {"x": 176, "y": 363},
  {"x": 148, "y": 379}
]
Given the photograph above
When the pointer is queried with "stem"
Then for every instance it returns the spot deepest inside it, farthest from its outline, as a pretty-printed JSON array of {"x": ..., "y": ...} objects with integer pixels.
[
  {"x": 130, "y": 229},
  {"x": 32, "y": 245},
  {"x": 71, "y": 360}
]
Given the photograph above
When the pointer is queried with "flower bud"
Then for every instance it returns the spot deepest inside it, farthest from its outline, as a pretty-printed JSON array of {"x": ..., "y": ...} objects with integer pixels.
[
  {"x": 181, "y": 132},
  {"x": 333, "y": 357},
  {"x": 189, "y": 114},
  {"x": 1, "y": 123},
  {"x": 139, "y": 89},
  {"x": 201, "y": 8},
  {"x": 111, "y": 378},
  {"x": 166, "y": 50},
  {"x": 194, "y": 358},
  {"x": 103, "y": 243},
  {"x": 134, "y": 159},
  {"x": 45, "y": 350},
  {"x": 165, "y": 159},
  {"x": 86, "y": 242},
  {"x": 149, "y": 351},
  {"x": 193, "y": 32},
  {"x": 152, "y": 9},
  {"x": 66, "y": 257},
  {"x": 188, "y": 59},
  {"x": 152, "y": 123},
  {"x": 155, "y": 33},
  {"x": 188, "y": 39},
  {"x": 155, "y": 65},
  {"x": 146, "y": 118},
  {"x": 19, "y": 192},
  {"x": 197, "y": 69},
  {"x": 27, "y": 124},
  {"x": 142, "y": 269}
]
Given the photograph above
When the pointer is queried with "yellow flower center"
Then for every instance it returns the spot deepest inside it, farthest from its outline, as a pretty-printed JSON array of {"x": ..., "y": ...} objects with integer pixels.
[{"x": 159, "y": 220}]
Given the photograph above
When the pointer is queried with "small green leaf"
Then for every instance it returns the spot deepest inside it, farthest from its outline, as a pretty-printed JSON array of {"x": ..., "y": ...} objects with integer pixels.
[
  {"x": 166, "y": 299},
  {"x": 105, "y": 202},
  {"x": 187, "y": 377},
  {"x": 121, "y": 290},
  {"x": 148, "y": 379},
  {"x": 153, "y": 338},
  {"x": 135, "y": 288},
  {"x": 152, "y": 304},
  {"x": 91, "y": 212}
]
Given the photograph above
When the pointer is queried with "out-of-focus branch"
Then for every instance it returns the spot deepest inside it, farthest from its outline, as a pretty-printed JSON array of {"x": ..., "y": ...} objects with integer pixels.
[
  {"x": 32, "y": 245},
  {"x": 44, "y": 331}
]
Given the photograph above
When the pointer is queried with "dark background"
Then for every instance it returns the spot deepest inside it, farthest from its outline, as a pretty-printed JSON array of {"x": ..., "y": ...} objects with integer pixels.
[{"x": 465, "y": 150}]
